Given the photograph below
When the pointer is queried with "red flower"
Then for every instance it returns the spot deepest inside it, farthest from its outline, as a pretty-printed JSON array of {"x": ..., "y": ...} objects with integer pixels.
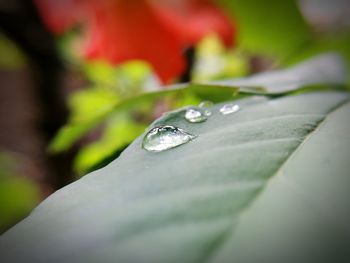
[{"x": 153, "y": 30}]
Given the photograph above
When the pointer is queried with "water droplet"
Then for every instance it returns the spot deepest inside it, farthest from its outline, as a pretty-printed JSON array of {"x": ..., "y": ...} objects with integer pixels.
[
  {"x": 205, "y": 104},
  {"x": 229, "y": 108},
  {"x": 195, "y": 115},
  {"x": 165, "y": 137}
]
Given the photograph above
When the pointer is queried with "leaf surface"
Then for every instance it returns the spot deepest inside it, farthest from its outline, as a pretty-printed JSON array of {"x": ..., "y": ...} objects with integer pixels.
[{"x": 266, "y": 184}]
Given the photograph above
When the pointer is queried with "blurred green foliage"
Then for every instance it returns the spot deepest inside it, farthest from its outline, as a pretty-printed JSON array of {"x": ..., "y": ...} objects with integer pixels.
[
  {"x": 273, "y": 27},
  {"x": 10, "y": 56},
  {"x": 18, "y": 194},
  {"x": 213, "y": 61},
  {"x": 338, "y": 42},
  {"x": 108, "y": 86},
  {"x": 118, "y": 133}
]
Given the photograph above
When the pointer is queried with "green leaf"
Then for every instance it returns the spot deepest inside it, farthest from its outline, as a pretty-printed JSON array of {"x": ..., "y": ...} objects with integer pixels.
[
  {"x": 118, "y": 133},
  {"x": 271, "y": 27},
  {"x": 125, "y": 79},
  {"x": 266, "y": 184},
  {"x": 18, "y": 194},
  {"x": 336, "y": 43},
  {"x": 11, "y": 57}
]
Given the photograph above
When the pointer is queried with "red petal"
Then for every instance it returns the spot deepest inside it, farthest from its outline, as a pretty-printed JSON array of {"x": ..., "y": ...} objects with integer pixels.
[
  {"x": 125, "y": 30},
  {"x": 198, "y": 18},
  {"x": 153, "y": 30}
]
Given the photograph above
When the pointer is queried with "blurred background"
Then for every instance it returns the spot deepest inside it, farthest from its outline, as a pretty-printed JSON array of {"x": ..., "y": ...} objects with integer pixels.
[{"x": 81, "y": 79}]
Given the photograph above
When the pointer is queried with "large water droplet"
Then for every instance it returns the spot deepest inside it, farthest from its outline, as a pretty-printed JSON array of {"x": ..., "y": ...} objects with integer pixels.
[
  {"x": 165, "y": 137},
  {"x": 229, "y": 108},
  {"x": 195, "y": 115}
]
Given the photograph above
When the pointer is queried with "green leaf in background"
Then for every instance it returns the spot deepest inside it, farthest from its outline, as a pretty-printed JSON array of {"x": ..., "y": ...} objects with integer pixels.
[
  {"x": 125, "y": 79},
  {"x": 18, "y": 194},
  {"x": 11, "y": 56},
  {"x": 337, "y": 42},
  {"x": 91, "y": 103},
  {"x": 268, "y": 183},
  {"x": 271, "y": 27},
  {"x": 118, "y": 133}
]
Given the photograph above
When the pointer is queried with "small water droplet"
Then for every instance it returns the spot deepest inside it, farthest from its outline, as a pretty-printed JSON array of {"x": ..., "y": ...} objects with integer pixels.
[
  {"x": 205, "y": 104},
  {"x": 229, "y": 108},
  {"x": 195, "y": 115},
  {"x": 165, "y": 137}
]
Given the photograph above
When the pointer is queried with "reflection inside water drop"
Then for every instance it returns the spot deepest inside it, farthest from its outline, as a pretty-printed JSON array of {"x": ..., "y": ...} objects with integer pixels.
[
  {"x": 165, "y": 137},
  {"x": 229, "y": 108},
  {"x": 206, "y": 104},
  {"x": 196, "y": 115}
]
